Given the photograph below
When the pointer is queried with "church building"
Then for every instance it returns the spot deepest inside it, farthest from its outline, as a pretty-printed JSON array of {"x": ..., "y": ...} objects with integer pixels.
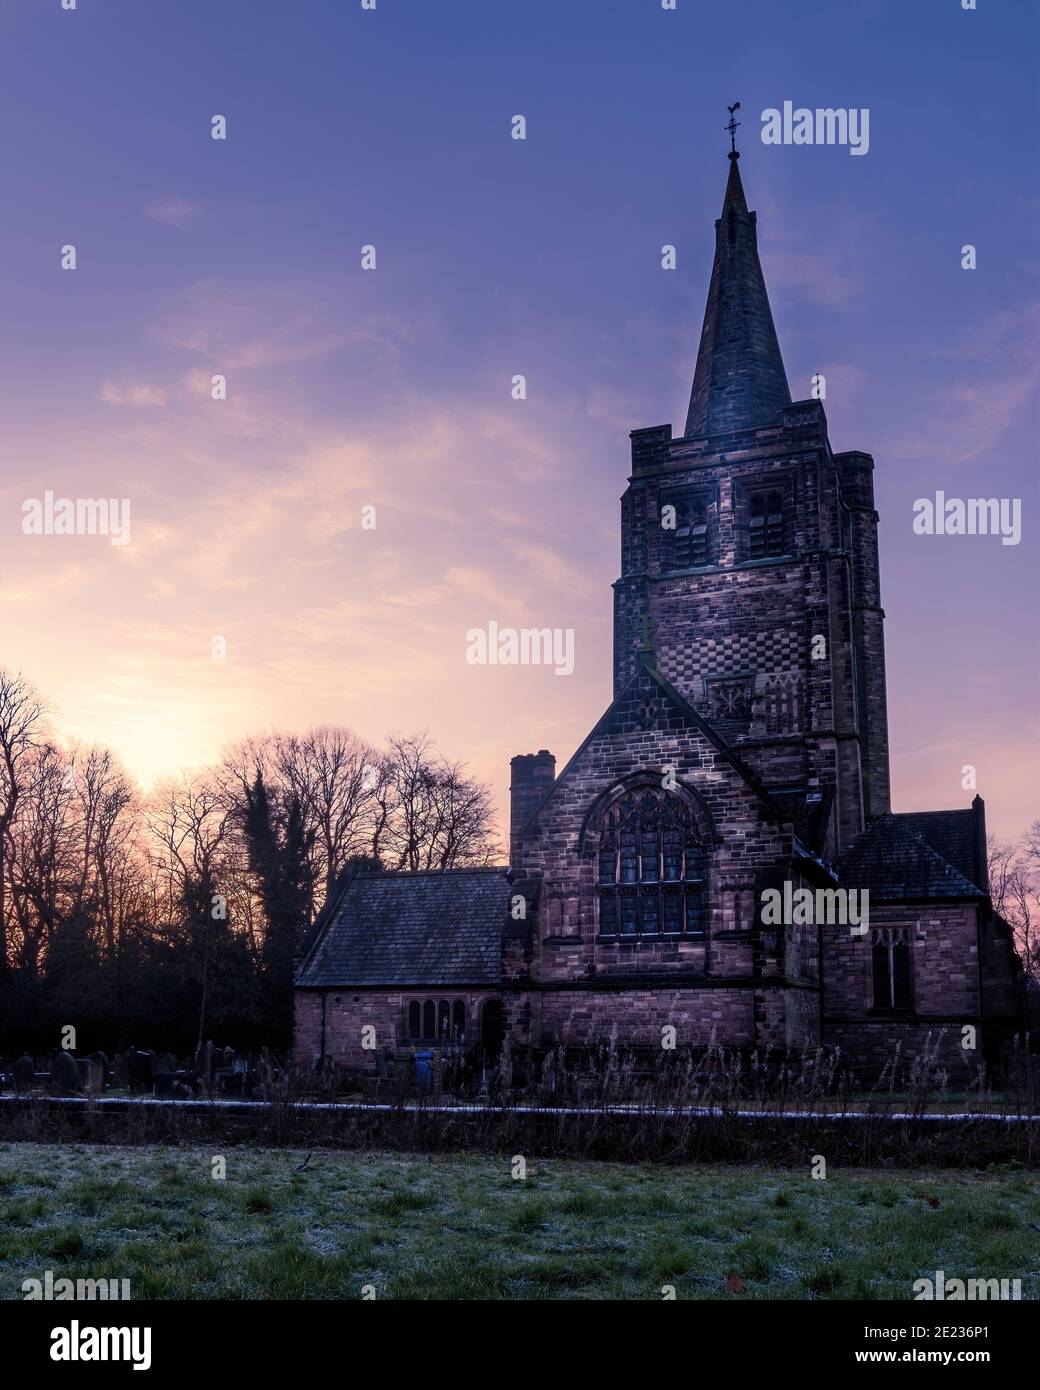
[{"x": 719, "y": 856}]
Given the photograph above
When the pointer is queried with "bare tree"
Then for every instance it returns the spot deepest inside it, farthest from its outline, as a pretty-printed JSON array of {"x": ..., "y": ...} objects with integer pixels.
[
  {"x": 436, "y": 816},
  {"x": 21, "y": 715},
  {"x": 336, "y": 778},
  {"x": 188, "y": 821},
  {"x": 1014, "y": 877}
]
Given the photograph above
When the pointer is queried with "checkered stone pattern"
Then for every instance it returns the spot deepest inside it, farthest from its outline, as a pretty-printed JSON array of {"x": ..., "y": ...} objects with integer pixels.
[{"x": 732, "y": 654}]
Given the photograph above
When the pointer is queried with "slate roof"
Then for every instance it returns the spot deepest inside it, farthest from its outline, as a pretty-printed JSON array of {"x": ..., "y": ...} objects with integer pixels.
[
  {"x": 952, "y": 834},
  {"x": 894, "y": 860},
  {"x": 412, "y": 929}
]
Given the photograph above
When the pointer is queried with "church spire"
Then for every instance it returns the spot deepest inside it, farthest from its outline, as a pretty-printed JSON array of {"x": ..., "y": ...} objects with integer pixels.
[{"x": 740, "y": 380}]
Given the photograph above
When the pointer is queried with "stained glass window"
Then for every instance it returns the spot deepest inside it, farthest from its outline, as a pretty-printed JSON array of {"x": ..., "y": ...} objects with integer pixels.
[{"x": 651, "y": 869}]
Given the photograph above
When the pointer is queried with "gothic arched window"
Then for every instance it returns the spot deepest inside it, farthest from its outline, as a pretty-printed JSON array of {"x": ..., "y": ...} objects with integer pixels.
[
  {"x": 893, "y": 987},
  {"x": 651, "y": 869}
]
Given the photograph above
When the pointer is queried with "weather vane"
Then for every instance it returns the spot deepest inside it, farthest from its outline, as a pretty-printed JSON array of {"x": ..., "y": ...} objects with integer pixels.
[{"x": 732, "y": 127}]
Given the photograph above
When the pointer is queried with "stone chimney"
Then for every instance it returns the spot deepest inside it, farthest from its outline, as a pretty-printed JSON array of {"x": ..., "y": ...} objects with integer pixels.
[{"x": 532, "y": 775}]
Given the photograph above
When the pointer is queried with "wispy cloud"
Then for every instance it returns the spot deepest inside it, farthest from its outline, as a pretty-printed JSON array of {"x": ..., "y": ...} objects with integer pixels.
[
  {"x": 266, "y": 327},
  {"x": 172, "y": 212},
  {"x": 143, "y": 395},
  {"x": 990, "y": 390}
]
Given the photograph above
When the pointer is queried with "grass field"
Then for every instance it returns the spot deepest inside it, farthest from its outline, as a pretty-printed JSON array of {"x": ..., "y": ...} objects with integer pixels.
[{"x": 461, "y": 1227}]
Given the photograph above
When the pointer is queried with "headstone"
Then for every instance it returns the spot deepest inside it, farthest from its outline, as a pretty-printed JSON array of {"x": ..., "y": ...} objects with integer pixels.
[
  {"x": 24, "y": 1070},
  {"x": 121, "y": 1071},
  {"x": 140, "y": 1070},
  {"x": 165, "y": 1062},
  {"x": 64, "y": 1074},
  {"x": 96, "y": 1075}
]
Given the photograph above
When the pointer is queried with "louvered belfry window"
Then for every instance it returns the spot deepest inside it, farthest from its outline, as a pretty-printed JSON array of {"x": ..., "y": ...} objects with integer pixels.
[
  {"x": 766, "y": 525},
  {"x": 688, "y": 545},
  {"x": 651, "y": 869}
]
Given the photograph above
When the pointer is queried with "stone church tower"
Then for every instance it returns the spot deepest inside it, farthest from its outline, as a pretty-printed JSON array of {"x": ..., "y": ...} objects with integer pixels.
[
  {"x": 749, "y": 562},
  {"x": 744, "y": 754}
]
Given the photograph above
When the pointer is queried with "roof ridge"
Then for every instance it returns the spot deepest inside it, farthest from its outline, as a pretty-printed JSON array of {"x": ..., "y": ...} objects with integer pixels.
[{"x": 433, "y": 873}]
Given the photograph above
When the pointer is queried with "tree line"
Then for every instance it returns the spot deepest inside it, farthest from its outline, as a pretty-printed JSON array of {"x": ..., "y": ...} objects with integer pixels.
[{"x": 165, "y": 918}]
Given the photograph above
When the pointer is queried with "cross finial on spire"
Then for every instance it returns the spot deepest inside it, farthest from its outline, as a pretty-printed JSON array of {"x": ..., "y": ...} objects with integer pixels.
[{"x": 732, "y": 128}]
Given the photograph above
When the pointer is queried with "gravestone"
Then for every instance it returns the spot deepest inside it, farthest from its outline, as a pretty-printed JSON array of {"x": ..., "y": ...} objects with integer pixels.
[
  {"x": 206, "y": 1063},
  {"x": 140, "y": 1070},
  {"x": 64, "y": 1080},
  {"x": 97, "y": 1071},
  {"x": 24, "y": 1070},
  {"x": 165, "y": 1062}
]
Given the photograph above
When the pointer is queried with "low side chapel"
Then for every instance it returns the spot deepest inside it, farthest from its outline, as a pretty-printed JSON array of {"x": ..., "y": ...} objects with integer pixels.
[{"x": 745, "y": 750}]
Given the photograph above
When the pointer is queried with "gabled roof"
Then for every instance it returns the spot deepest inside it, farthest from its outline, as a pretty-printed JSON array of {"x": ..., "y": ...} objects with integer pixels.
[
  {"x": 896, "y": 864},
  {"x": 412, "y": 929},
  {"x": 648, "y": 681}
]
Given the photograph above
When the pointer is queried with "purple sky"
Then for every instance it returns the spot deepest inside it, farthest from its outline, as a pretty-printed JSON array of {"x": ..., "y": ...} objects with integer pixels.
[{"x": 495, "y": 257}]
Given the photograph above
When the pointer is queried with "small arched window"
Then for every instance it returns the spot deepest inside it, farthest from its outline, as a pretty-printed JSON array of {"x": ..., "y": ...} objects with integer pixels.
[
  {"x": 429, "y": 1020},
  {"x": 893, "y": 987},
  {"x": 651, "y": 869},
  {"x": 458, "y": 1020},
  {"x": 414, "y": 1021}
]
